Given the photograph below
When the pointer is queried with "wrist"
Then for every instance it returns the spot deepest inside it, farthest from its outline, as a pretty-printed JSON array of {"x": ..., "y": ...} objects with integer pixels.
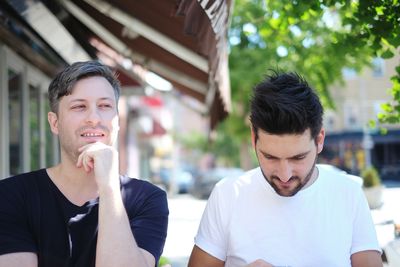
[{"x": 109, "y": 189}]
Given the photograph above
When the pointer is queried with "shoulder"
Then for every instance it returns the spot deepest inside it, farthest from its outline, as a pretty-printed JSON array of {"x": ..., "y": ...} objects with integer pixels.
[
  {"x": 231, "y": 189},
  {"x": 20, "y": 196},
  {"x": 21, "y": 184},
  {"x": 138, "y": 194},
  {"x": 27, "y": 177},
  {"x": 334, "y": 181},
  {"x": 240, "y": 180},
  {"x": 338, "y": 177},
  {"x": 133, "y": 185}
]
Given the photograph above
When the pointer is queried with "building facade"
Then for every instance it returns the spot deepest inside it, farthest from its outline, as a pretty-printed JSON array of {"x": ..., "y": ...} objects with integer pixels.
[
  {"x": 350, "y": 143},
  {"x": 181, "y": 41}
]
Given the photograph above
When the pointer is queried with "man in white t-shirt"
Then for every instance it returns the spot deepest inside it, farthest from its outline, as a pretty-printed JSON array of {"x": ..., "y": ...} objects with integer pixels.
[{"x": 288, "y": 211}]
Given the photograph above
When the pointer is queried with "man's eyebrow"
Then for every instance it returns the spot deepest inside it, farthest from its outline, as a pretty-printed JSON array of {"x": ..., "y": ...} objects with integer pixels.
[
  {"x": 265, "y": 154},
  {"x": 84, "y": 100},
  {"x": 300, "y": 155},
  {"x": 106, "y": 98},
  {"x": 77, "y": 100}
]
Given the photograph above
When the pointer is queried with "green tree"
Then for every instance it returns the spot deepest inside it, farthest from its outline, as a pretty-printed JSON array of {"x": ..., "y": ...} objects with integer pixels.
[{"x": 315, "y": 38}]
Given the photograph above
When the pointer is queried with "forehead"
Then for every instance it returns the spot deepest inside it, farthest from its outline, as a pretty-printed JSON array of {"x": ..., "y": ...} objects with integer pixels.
[
  {"x": 284, "y": 145},
  {"x": 90, "y": 88}
]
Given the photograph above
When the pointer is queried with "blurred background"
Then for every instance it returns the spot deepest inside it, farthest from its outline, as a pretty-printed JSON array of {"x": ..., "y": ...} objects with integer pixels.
[{"x": 187, "y": 68}]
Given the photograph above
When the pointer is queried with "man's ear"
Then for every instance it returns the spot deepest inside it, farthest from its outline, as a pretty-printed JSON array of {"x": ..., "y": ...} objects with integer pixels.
[
  {"x": 53, "y": 122},
  {"x": 320, "y": 140}
]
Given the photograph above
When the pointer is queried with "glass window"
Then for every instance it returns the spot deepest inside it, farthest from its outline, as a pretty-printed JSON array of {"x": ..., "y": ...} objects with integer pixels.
[
  {"x": 349, "y": 73},
  {"x": 378, "y": 67},
  {"x": 34, "y": 117},
  {"x": 50, "y": 143},
  {"x": 14, "y": 120}
]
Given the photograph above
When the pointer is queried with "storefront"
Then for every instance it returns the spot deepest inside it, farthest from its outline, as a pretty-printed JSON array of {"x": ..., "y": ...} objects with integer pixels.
[
  {"x": 26, "y": 141},
  {"x": 182, "y": 41},
  {"x": 347, "y": 151}
]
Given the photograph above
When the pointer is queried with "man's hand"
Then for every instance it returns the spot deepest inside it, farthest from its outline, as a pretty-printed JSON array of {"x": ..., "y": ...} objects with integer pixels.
[
  {"x": 103, "y": 161},
  {"x": 259, "y": 263}
]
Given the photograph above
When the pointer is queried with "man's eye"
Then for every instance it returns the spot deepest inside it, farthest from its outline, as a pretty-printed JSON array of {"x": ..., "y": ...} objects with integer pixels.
[
  {"x": 268, "y": 157},
  {"x": 78, "y": 107},
  {"x": 106, "y": 106}
]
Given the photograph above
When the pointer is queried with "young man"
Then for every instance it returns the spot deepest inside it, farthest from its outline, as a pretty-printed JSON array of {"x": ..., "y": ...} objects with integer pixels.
[
  {"x": 81, "y": 212},
  {"x": 287, "y": 212}
]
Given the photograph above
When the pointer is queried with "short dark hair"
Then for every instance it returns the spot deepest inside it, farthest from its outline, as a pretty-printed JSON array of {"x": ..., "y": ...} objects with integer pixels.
[
  {"x": 64, "y": 81},
  {"x": 284, "y": 103}
]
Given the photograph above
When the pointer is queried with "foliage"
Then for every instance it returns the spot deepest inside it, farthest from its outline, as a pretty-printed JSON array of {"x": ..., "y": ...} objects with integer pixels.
[
  {"x": 223, "y": 146},
  {"x": 371, "y": 177},
  {"x": 163, "y": 261},
  {"x": 316, "y": 38},
  {"x": 391, "y": 111},
  {"x": 379, "y": 25}
]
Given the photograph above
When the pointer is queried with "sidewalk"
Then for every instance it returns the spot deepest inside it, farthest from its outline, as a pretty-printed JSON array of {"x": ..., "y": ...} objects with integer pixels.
[{"x": 184, "y": 218}]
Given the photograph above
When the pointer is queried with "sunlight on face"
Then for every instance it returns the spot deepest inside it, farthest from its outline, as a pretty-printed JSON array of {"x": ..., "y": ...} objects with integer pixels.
[
  {"x": 288, "y": 161},
  {"x": 86, "y": 116}
]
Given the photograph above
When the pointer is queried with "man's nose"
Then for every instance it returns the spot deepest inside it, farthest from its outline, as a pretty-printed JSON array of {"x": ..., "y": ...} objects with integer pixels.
[
  {"x": 93, "y": 116},
  {"x": 284, "y": 171}
]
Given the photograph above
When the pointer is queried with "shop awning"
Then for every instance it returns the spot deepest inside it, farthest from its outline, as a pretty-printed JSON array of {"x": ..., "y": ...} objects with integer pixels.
[{"x": 183, "y": 41}]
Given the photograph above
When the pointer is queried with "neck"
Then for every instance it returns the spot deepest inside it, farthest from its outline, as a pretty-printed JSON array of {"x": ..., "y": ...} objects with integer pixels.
[
  {"x": 74, "y": 183},
  {"x": 313, "y": 177}
]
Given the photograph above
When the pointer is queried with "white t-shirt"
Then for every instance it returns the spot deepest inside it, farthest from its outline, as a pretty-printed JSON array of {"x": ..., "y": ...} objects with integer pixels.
[{"x": 321, "y": 225}]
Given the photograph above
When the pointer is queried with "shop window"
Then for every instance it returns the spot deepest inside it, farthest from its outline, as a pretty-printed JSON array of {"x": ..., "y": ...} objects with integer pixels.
[
  {"x": 51, "y": 143},
  {"x": 34, "y": 116},
  {"x": 14, "y": 120}
]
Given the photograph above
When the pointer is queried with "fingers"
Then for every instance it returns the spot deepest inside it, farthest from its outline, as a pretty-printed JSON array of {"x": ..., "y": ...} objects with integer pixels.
[
  {"x": 86, "y": 161},
  {"x": 88, "y": 146},
  {"x": 100, "y": 160},
  {"x": 90, "y": 153}
]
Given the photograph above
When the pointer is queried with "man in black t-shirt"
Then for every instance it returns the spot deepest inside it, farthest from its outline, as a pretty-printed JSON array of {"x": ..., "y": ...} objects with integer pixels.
[{"x": 81, "y": 212}]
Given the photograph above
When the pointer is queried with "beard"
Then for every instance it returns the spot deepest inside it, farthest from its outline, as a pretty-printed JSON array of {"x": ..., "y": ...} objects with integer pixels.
[
  {"x": 298, "y": 182},
  {"x": 70, "y": 143}
]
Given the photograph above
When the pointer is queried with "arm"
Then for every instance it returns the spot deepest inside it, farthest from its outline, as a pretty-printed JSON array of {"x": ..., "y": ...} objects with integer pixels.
[
  {"x": 200, "y": 258},
  {"x": 26, "y": 259},
  {"x": 365, "y": 250},
  {"x": 368, "y": 258},
  {"x": 17, "y": 241},
  {"x": 116, "y": 245}
]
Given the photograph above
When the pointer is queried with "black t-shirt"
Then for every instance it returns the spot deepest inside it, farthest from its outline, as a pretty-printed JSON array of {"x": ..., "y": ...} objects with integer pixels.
[{"x": 36, "y": 217}]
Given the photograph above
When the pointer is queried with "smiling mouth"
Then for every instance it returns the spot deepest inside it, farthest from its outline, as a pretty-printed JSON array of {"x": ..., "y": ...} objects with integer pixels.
[{"x": 92, "y": 135}]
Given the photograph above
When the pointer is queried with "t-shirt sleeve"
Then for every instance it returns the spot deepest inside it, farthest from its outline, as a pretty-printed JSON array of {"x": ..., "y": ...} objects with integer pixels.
[
  {"x": 364, "y": 233},
  {"x": 212, "y": 236},
  {"x": 150, "y": 222},
  {"x": 15, "y": 233}
]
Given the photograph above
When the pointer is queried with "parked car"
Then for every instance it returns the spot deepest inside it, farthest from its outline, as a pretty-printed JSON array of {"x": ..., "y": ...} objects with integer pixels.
[
  {"x": 205, "y": 182},
  {"x": 182, "y": 178}
]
